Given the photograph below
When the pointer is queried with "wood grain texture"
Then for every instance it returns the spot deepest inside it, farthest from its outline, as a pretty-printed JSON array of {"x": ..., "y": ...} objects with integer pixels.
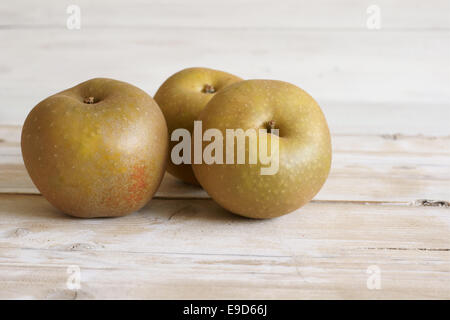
[
  {"x": 171, "y": 249},
  {"x": 194, "y": 249},
  {"x": 318, "y": 14},
  {"x": 400, "y": 78}
]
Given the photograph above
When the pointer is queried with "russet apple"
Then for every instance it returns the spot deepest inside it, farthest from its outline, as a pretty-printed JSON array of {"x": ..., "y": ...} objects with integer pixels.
[
  {"x": 98, "y": 149},
  {"x": 304, "y": 148},
  {"x": 181, "y": 98}
]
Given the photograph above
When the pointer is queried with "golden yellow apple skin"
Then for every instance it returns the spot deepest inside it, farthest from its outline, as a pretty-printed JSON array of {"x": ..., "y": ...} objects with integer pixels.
[
  {"x": 181, "y": 98},
  {"x": 304, "y": 148},
  {"x": 96, "y": 160}
]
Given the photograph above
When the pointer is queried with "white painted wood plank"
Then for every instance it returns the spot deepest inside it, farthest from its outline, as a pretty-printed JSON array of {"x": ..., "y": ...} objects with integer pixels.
[
  {"x": 194, "y": 249},
  {"x": 122, "y": 275},
  {"x": 365, "y": 82},
  {"x": 330, "y": 14},
  {"x": 365, "y": 168}
]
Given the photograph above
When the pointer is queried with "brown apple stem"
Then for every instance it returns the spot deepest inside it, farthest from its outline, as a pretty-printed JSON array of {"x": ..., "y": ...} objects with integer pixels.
[
  {"x": 270, "y": 126},
  {"x": 208, "y": 89},
  {"x": 89, "y": 100}
]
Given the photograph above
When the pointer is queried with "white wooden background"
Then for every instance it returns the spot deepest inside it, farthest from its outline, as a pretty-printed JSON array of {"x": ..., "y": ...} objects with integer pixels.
[{"x": 385, "y": 94}]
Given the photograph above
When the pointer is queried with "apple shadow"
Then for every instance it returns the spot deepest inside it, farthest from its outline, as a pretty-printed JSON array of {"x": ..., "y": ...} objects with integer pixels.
[
  {"x": 35, "y": 206},
  {"x": 180, "y": 199},
  {"x": 206, "y": 210}
]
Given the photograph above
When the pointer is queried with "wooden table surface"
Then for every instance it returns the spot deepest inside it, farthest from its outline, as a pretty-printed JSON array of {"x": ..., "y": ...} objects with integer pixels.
[{"x": 383, "y": 214}]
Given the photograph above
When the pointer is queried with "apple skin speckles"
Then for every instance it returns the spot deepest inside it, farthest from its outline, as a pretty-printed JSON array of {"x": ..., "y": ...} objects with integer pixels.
[
  {"x": 96, "y": 160},
  {"x": 181, "y": 98},
  {"x": 304, "y": 148}
]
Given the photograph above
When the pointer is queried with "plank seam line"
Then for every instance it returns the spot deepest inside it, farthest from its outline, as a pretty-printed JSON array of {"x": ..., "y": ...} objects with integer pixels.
[
  {"x": 153, "y": 252},
  {"x": 414, "y": 203},
  {"x": 238, "y": 28},
  {"x": 409, "y": 249}
]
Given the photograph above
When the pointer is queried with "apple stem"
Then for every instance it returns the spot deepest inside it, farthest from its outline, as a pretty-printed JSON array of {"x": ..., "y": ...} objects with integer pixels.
[
  {"x": 89, "y": 100},
  {"x": 270, "y": 126},
  {"x": 208, "y": 89}
]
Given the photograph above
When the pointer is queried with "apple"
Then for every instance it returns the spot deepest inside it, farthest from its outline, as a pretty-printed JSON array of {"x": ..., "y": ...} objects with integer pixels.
[
  {"x": 303, "y": 153},
  {"x": 98, "y": 149},
  {"x": 181, "y": 98}
]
